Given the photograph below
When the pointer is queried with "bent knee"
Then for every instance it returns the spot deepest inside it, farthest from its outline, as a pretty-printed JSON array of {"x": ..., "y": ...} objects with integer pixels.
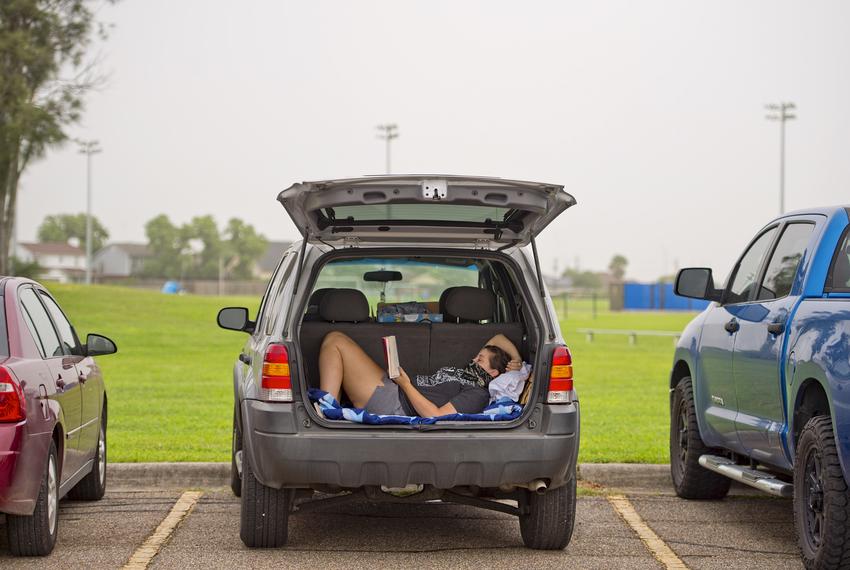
[{"x": 334, "y": 337}]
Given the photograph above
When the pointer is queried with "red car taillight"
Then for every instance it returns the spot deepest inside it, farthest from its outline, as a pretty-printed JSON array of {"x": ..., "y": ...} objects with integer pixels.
[
  {"x": 560, "y": 377},
  {"x": 12, "y": 404},
  {"x": 277, "y": 383}
]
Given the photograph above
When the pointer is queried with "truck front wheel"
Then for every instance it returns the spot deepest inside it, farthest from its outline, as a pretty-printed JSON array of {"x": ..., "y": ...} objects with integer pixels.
[
  {"x": 821, "y": 498},
  {"x": 690, "y": 479}
]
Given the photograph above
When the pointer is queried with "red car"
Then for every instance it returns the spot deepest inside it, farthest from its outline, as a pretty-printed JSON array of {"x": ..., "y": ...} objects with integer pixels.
[{"x": 52, "y": 415}]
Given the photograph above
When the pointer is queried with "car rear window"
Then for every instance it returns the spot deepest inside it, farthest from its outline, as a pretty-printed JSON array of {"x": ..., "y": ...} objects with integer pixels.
[{"x": 4, "y": 338}]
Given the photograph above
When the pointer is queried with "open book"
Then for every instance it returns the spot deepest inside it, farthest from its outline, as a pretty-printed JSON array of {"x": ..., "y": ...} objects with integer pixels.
[{"x": 391, "y": 354}]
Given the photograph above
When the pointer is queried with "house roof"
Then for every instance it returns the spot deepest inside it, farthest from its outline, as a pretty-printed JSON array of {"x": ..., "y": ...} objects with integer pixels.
[
  {"x": 274, "y": 251},
  {"x": 131, "y": 249},
  {"x": 52, "y": 248}
]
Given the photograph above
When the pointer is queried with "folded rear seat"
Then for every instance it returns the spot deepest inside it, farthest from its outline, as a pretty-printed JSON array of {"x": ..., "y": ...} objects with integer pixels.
[
  {"x": 347, "y": 311},
  {"x": 454, "y": 344}
]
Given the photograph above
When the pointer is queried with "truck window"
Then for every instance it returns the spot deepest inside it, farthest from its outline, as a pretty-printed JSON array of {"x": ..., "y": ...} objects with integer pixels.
[
  {"x": 840, "y": 271},
  {"x": 744, "y": 278},
  {"x": 786, "y": 258}
]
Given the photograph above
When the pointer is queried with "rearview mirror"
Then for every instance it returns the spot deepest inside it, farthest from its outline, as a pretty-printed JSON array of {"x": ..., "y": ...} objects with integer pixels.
[
  {"x": 235, "y": 319},
  {"x": 98, "y": 345},
  {"x": 697, "y": 283},
  {"x": 382, "y": 276}
]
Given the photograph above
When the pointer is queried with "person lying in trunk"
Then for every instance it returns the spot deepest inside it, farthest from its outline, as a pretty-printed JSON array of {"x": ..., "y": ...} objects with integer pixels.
[{"x": 344, "y": 365}]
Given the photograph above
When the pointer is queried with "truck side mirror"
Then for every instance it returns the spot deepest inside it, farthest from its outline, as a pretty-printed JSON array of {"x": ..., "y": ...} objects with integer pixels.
[{"x": 697, "y": 283}]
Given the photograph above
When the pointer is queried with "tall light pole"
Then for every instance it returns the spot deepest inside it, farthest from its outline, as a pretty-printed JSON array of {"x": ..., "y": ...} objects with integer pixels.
[
  {"x": 780, "y": 112},
  {"x": 388, "y": 132},
  {"x": 88, "y": 148}
]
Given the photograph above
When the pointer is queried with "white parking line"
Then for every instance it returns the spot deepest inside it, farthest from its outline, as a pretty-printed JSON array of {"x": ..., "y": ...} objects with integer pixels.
[
  {"x": 652, "y": 541},
  {"x": 144, "y": 554}
]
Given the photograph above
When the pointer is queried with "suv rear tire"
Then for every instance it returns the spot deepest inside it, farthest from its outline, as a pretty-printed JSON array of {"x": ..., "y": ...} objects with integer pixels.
[
  {"x": 265, "y": 511},
  {"x": 821, "y": 498},
  {"x": 690, "y": 479},
  {"x": 35, "y": 535},
  {"x": 548, "y": 524}
]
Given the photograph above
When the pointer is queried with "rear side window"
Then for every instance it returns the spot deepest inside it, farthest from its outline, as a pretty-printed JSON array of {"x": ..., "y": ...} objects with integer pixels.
[
  {"x": 746, "y": 274},
  {"x": 4, "y": 338},
  {"x": 785, "y": 260},
  {"x": 839, "y": 273},
  {"x": 40, "y": 326}
]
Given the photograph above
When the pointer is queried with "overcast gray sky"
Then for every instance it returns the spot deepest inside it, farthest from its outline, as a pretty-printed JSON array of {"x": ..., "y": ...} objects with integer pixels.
[{"x": 650, "y": 113}]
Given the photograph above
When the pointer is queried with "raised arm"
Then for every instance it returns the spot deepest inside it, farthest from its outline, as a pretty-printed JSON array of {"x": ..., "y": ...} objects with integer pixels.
[{"x": 505, "y": 344}]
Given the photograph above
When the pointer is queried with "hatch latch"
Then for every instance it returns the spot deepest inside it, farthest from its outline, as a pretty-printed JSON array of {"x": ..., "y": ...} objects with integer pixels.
[
  {"x": 482, "y": 244},
  {"x": 351, "y": 242},
  {"x": 435, "y": 189}
]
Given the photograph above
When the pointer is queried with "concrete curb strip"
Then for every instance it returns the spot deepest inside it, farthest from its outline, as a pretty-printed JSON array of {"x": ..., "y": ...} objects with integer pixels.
[{"x": 193, "y": 475}]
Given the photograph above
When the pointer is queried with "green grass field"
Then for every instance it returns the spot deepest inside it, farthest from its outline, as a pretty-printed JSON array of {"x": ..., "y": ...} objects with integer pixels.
[{"x": 170, "y": 385}]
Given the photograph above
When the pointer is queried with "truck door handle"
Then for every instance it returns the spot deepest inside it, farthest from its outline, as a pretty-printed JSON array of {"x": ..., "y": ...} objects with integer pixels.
[
  {"x": 776, "y": 328},
  {"x": 245, "y": 358},
  {"x": 732, "y": 326}
]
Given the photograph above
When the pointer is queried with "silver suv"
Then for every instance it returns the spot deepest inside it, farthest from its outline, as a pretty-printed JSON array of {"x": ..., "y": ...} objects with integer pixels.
[{"x": 458, "y": 249}]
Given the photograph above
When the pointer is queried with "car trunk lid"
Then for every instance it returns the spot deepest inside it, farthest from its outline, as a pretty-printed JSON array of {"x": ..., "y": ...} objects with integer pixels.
[{"x": 471, "y": 211}]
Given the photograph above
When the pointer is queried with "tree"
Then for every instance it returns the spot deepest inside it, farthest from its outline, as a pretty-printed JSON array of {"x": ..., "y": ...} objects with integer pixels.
[
  {"x": 40, "y": 40},
  {"x": 617, "y": 267},
  {"x": 583, "y": 279},
  {"x": 198, "y": 250},
  {"x": 168, "y": 247},
  {"x": 63, "y": 227},
  {"x": 245, "y": 246}
]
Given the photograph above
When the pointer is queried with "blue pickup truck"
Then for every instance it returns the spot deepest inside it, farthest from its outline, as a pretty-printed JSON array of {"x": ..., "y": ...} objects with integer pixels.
[{"x": 760, "y": 386}]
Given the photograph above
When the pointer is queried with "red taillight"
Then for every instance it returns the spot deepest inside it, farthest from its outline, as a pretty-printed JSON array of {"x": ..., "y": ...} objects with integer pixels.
[
  {"x": 560, "y": 376},
  {"x": 277, "y": 383},
  {"x": 12, "y": 404}
]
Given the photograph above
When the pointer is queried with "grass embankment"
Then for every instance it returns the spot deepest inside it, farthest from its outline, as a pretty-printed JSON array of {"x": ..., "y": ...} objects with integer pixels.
[{"x": 170, "y": 385}]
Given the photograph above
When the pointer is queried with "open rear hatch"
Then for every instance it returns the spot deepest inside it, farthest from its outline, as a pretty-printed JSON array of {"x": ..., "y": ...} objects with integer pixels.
[{"x": 487, "y": 212}]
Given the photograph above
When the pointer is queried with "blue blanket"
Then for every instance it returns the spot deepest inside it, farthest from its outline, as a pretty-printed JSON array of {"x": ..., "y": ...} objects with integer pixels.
[{"x": 502, "y": 409}]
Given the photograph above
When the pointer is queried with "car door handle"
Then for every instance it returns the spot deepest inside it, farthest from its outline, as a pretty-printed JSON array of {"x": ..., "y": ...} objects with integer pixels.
[
  {"x": 776, "y": 328},
  {"x": 245, "y": 358},
  {"x": 732, "y": 326},
  {"x": 60, "y": 383},
  {"x": 82, "y": 377}
]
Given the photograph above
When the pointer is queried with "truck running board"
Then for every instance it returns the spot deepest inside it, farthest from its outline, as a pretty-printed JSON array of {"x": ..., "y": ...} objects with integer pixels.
[{"x": 752, "y": 477}]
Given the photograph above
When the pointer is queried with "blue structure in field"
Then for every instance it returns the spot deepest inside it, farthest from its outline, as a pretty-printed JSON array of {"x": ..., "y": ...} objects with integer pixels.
[{"x": 657, "y": 296}]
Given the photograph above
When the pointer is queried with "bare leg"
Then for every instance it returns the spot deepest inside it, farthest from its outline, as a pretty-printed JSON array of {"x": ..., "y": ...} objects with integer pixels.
[{"x": 342, "y": 363}]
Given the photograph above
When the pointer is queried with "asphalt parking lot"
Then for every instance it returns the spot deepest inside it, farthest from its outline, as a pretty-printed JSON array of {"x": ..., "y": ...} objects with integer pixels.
[{"x": 745, "y": 530}]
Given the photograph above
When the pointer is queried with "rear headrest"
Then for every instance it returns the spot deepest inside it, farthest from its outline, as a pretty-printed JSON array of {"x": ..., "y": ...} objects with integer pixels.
[
  {"x": 470, "y": 303},
  {"x": 344, "y": 306}
]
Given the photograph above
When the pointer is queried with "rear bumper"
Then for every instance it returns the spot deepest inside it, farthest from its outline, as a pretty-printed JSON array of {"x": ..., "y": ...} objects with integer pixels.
[
  {"x": 15, "y": 490},
  {"x": 287, "y": 449}
]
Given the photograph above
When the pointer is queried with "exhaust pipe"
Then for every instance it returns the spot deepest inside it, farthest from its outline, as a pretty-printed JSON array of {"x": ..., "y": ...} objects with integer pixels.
[{"x": 538, "y": 486}]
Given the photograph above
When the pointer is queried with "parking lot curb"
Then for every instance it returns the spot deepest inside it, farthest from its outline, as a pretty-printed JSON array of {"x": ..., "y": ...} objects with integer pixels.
[{"x": 191, "y": 475}]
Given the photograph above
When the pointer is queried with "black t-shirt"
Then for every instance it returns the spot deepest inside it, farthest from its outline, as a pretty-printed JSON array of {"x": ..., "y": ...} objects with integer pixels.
[{"x": 465, "y": 388}]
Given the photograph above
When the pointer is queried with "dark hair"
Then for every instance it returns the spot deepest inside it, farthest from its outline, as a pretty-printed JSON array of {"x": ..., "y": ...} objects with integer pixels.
[{"x": 498, "y": 358}]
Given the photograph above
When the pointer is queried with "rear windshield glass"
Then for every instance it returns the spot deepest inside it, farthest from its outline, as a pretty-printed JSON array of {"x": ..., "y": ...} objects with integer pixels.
[
  {"x": 423, "y": 212},
  {"x": 413, "y": 280},
  {"x": 4, "y": 339}
]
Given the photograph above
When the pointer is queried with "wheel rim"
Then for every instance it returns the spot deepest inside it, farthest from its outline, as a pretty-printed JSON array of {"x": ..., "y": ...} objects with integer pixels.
[
  {"x": 683, "y": 434},
  {"x": 101, "y": 457},
  {"x": 52, "y": 497},
  {"x": 679, "y": 442},
  {"x": 813, "y": 500}
]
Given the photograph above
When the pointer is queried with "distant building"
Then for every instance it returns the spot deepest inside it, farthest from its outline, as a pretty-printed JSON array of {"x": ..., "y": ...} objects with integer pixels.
[
  {"x": 59, "y": 261},
  {"x": 268, "y": 262},
  {"x": 557, "y": 284},
  {"x": 120, "y": 259}
]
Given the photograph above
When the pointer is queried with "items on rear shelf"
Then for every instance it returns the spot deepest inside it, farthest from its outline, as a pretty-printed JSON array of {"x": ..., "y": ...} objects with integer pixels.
[{"x": 410, "y": 312}]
